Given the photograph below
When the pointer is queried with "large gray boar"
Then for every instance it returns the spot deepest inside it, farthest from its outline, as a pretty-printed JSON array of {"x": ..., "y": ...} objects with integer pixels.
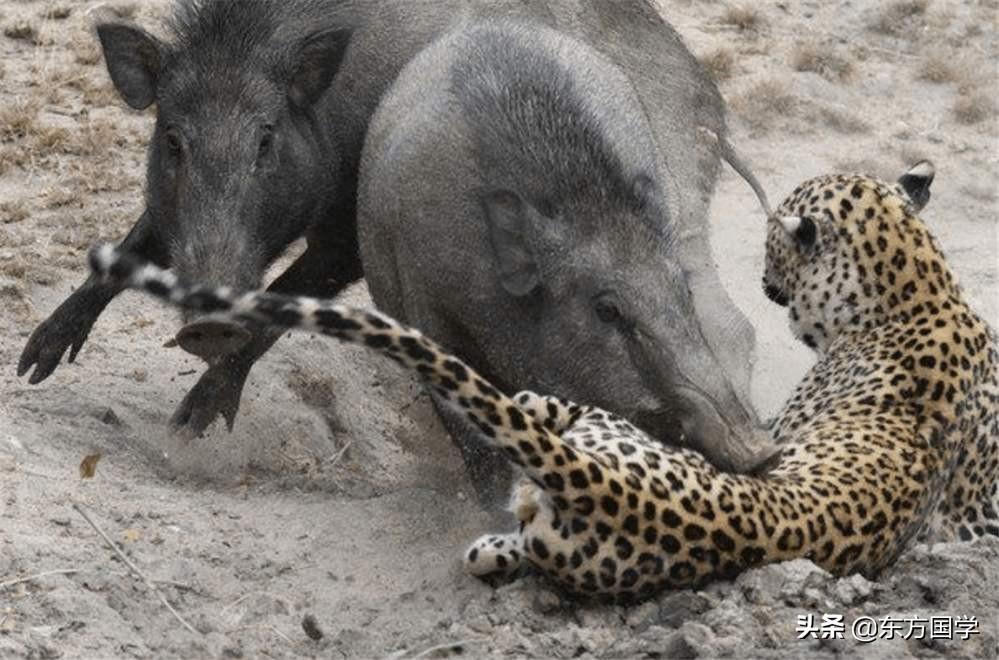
[
  {"x": 262, "y": 107},
  {"x": 523, "y": 201}
]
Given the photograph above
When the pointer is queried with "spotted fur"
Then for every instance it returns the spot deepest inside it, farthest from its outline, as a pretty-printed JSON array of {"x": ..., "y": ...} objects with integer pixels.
[
  {"x": 906, "y": 369},
  {"x": 604, "y": 509}
]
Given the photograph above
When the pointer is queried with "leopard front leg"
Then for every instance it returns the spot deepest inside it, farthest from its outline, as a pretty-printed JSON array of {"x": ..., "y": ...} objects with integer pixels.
[
  {"x": 504, "y": 553},
  {"x": 493, "y": 554}
]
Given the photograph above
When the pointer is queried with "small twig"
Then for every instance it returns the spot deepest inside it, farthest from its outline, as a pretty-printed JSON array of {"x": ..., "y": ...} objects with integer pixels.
[
  {"x": 236, "y": 602},
  {"x": 337, "y": 456},
  {"x": 239, "y": 600},
  {"x": 29, "y": 578},
  {"x": 888, "y": 51},
  {"x": 135, "y": 569},
  {"x": 41, "y": 475},
  {"x": 716, "y": 27},
  {"x": 183, "y": 586},
  {"x": 70, "y": 571},
  {"x": 63, "y": 112},
  {"x": 262, "y": 626}
]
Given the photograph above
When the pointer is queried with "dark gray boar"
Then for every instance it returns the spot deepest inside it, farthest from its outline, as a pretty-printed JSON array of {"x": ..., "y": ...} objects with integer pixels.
[
  {"x": 245, "y": 158},
  {"x": 513, "y": 204}
]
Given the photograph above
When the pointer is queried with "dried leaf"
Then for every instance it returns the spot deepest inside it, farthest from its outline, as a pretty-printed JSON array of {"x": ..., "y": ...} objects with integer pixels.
[{"x": 88, "y": 466}]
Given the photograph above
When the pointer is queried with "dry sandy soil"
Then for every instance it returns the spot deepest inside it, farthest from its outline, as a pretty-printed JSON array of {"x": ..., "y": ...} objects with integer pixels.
[{"x": 338, "y": 496}]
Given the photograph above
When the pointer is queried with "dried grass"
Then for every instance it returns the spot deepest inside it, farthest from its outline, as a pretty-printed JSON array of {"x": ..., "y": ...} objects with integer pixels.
[
  {"x": 58, "y": 147},
  {"x": 21, "y": 30},
  {"x": 823, "y": 61},
  {"x": 942, "y": 66},
  {"x": 900, "y": 16},
  {"x": 23, "y": 137},
  {"x": 842, "y": 121},
  {"x": 13, "y": 212},
  {"x": 98, "y": 94},
  {"x": 936, "y": 70},
  {"x": 53, "y": 83},
  {"x": 15, "y": 269},
  {"x": 50, "y": 139},
  {"x": 58, "y": 197},
  {"x": 746, "y": 19},
  {"x": 972, "y": 107},
  {"x": 7, "y": 161},
  {"x": 97, "y": 137},
  {"x": 18, "y": 119},
  {"x": 67, "y": 237},
  {"x": 763, "y": 103},
  {"x": 15, "y": 292},
  {"x": 15, "y": 155},
  {"x": 720, "y": 64},
  {"x": 105, "y": 178},
  {"x": 57, "y": 13}
]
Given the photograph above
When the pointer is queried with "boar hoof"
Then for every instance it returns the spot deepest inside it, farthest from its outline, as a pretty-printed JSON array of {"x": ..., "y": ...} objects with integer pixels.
[{"x": 216, "y": 394}]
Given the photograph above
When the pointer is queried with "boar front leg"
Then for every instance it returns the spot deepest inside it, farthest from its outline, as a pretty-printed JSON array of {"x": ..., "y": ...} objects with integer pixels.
[
  {"x": 69, "y": 325},
  {"x": 489, "y": 469}
]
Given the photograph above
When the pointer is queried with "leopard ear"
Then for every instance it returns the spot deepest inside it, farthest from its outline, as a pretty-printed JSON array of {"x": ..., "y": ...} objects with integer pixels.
[
  {"x": 916, "y": 184},
  {"x": 801, "y": 227}
]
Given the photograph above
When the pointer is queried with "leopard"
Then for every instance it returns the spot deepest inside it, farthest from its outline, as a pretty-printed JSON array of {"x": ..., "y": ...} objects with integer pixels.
[
  {"x": 868, "y": 288},
  {"x": 869, "y": 443}
]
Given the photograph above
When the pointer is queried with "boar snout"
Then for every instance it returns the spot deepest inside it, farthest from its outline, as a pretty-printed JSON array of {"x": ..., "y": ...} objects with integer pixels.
[
  {"x": 732, "y": 445},
  {"x": 211, "y": 339},
  {"x": 224, "y": 255}
]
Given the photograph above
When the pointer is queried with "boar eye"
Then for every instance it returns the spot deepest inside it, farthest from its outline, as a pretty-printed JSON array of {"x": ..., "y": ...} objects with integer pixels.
[
  {"x": 607, "y": 311},
  {"x": 173, "y": 141},
  {"x": 266, "y": 142}
]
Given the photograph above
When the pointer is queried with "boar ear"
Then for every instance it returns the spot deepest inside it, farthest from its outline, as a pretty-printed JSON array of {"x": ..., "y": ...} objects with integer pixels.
[
  {"x": 916, "y": 183},
  {"x": 507, "y": 217},
  {"x": 319, "y": 58},
  {"x": 133, "y": 58}
]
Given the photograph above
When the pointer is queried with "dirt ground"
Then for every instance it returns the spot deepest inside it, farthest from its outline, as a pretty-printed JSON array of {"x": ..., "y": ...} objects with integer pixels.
[{"x": 338, "y": 497}]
